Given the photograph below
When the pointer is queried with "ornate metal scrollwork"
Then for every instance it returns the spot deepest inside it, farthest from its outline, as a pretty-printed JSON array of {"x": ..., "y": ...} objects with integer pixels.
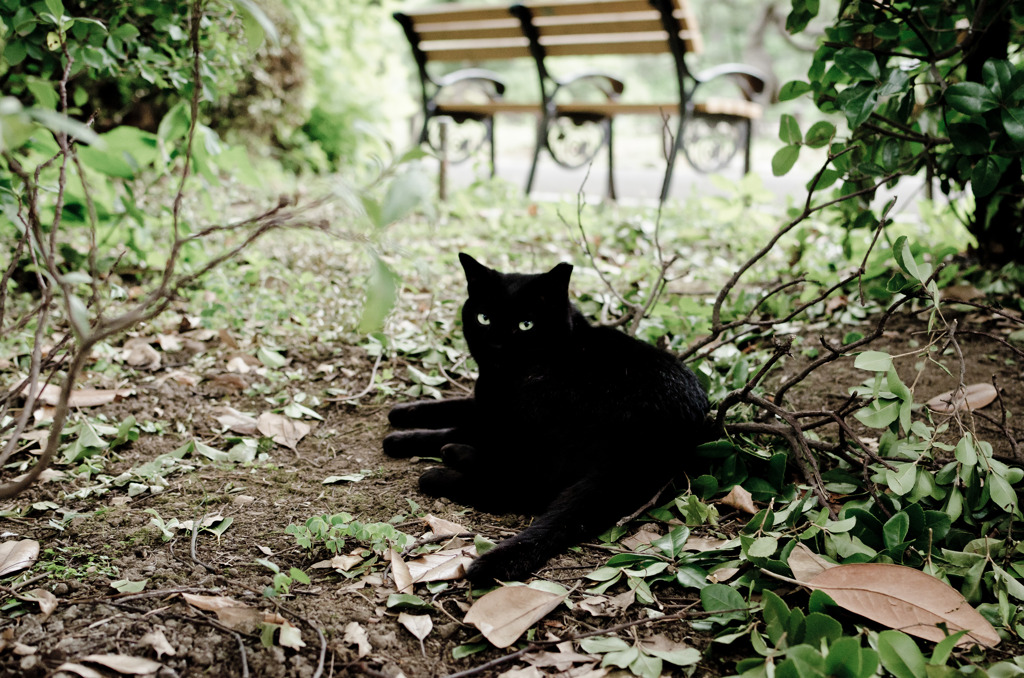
[
  {"x": 464, "y": 137},
  {"x": 710, "y": 143},
  {"x": 573, "y": 142}
]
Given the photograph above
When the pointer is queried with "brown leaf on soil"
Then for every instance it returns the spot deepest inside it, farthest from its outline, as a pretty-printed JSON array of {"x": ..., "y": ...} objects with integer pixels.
[
  {"x": 702, "y": 544},
  {"x": 903, "y": 598},
  {"x": 974, "y": 397},
  {"x": 722, "y": 574},
  {"x": 444, "y": 565},
  {"x": 355, "y": 634},
  {"x": 560, "y": 661},
  {"x": 740, "y": 499},
  {"x": 441, "y": 527},
  {"x": 236, "y": 421},
  {"x": 506, "y": 613},
  {"x": 182, "y": 377},
  {"x": 228, "y": 383},
  {"x": 139, "y": 353},
  {"x": 169, "y": 343},
  {"x": 418, "y": 625},
  {"x": 527, "y": 672},
  {"x": 158, "y": 641},
  {"x": 135, "y": 666},
  {"x": 227, "y": 339},
  {"x": 639, "y": 538},
  {"x": 400, "y": 572},
  {"x": 603, "y": 606},
  {"x": 806, "y": 564},
  {"x": 230, "y": 612},
  {"x": 47, "y": 601},
  {"x": 79, "y": 670},
  {"x": 290, "y": 636},
  {"x": 83, "y": 397},
  {"x": 281, "y": 429},
  {"x": 17, "y": 555}
]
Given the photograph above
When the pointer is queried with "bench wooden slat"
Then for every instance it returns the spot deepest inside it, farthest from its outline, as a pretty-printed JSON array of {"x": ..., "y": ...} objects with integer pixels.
[
  {"x": 476, "y": 50},
  {"x": 713, "y": 106},
  {"x": 490, "y": 107}
]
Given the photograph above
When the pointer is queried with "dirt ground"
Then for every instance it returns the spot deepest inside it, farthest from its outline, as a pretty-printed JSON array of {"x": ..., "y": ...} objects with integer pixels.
[{"x": 114, "y": 538}]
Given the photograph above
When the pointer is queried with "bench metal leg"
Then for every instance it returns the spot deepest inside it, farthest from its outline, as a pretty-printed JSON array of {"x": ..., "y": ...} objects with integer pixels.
[
  {"x": 490, "y": 142},
  {"x": 611, "y": 159},
  {"x": 542, "y": 129},
  {"x": 748, "y": 134}
]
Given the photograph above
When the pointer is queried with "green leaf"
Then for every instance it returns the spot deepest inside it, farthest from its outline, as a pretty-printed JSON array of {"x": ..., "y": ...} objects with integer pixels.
[
  {"x": 784, "y": 159},
  {"x": 857, "y": 103},
  {"x": 381, "y": 292},
  {"x": 776, "y": 616},
  {"x": 821, "y": 626},
  {"x": 175, "y": 123},
  {"x": 1013, "y": 123},
  {"x": 965, "y": 452},
  {"x": 1001, "y": 493},
  {"x": 820, "y": 134},
  {"x": 468, "y": 649},
  {"x": 719, "y": 597},
  {"x": 406, "y": 192},
  {"x": 897, "y": 82},
  {"x": 879, "y": 414},
  {"x": 859, "y": 64},
  {"x": 873, "y": 361},
  {"x": 969, "y": 138},
  {"x": 763, "y": 547},
  {"x": 900, "y": 655},
  {"x": 895, "y": 530},
  {"x": 944, "y": 647},
  {"x": 646, "y": 666},
  {"x": 793, "y": 89},
  {"x": 905, "y": 259},
  {"x": 802, "y": 661},
  {"x": 789, "y": 130},
  {"x": 847, "y": 659},
  {"x": 603, "y": 644},
  {"x": 985, "y": 175},
  {"x": 255, "y": 24},
  {"x": 127, "y": 586},
  {"x": 407, "y": 601},
  {"x": 971, "y": 98},
  {"x": 56, "y": 7},
  {"x": 902, "y": 480}
]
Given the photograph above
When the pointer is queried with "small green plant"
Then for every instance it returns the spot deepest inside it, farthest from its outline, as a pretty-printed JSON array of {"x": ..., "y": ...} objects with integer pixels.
[
  {"x": 282, "y": 582},
  {"x": 333, "y": 531}
]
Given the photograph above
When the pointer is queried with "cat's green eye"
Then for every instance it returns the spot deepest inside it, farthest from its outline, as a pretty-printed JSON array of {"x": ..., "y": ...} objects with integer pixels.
[
  {"x": 483, "y": 319},
  {"x": 526, "y": 325}
]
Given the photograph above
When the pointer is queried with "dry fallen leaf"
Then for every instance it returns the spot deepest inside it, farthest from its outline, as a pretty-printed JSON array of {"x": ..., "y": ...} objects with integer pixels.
[
  {"x": 740, "y": 499},
  {"x": 641, "y": 537},
  {"x": 79, "y": 670},
  {"x": 355, "y": 634},
  {"x": 236, "y": 421},
  {"x": 400, "y": 571},
  {"x": 805, "y": 563},
  {"x": 340, "y": 562},
  {"x": 290, "y": 636},
  {"x": 560, "y": 661},
  {"x": 506, "y": 613},
  {"x": 441, "y": 527},
  {"x": 527, "y": 672},
  {"x": 281, "y": 429},
  {"x": 603, "y": 606},
  {"x": 83, "y": 397},
  {"x": 158, "y": 641},
  {"x": 974, "y": 397},
  {"x": 169, "y": 343},
  {"x": 138, "y": 353},
  {"x": 230, "y": 612},
  {"x": 903, "y": 598},
  {"x": 702, "y": 544},
  {"x": 722, "y": 574},
  {"x": 444, "y": 565},
  {"x": 47, "y": 601},
  {"x": 239, "y": 365},
  {"x": 17, "y": 555},
  {"x": 136, "y": 666},
  {"x": 418, "y": 625}
]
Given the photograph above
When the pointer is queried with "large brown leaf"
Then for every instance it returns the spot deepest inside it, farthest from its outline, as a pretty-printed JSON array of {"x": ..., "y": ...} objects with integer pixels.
[
  {"x": 973, "y": 397},
  {"x": 17, "y": 555},
  {"x": 906, "y": 599},
  {"x": 506, "y": 613}
]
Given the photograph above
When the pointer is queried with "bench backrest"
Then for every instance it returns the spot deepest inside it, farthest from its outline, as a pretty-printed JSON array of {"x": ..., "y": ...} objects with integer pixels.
[{"x": 565, "y": 27}]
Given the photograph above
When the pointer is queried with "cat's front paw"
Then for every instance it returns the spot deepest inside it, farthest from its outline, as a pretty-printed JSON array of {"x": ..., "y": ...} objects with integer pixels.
[
  {"x": 405, "y": 415},
  {"x": 403, "y": 444},
  {"x": 443, "y": 482},
  {"x": 505, "y": 562}
]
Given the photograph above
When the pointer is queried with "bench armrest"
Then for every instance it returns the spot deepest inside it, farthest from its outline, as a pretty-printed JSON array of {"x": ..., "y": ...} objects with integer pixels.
[
  {"x": 611, "y": 87},
  {"x": 750, "y": 81},
  {"x": 472, "y": 74}
]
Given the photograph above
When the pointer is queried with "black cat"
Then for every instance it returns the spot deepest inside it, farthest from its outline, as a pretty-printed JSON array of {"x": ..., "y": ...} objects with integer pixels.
[{"x": 579, "y": 424}]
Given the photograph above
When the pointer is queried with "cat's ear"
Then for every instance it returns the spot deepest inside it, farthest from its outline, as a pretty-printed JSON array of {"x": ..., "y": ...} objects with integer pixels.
[
  {"x": 475, "y": 271},
  {"x": 558, "y": 277}
]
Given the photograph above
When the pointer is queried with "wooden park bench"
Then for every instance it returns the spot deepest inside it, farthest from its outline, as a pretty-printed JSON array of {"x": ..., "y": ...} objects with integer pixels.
[{"x": 575, "y": 115}]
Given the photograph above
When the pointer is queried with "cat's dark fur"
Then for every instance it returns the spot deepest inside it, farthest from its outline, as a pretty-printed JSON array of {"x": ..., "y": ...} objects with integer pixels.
[{"x": 579, "y": 424}]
